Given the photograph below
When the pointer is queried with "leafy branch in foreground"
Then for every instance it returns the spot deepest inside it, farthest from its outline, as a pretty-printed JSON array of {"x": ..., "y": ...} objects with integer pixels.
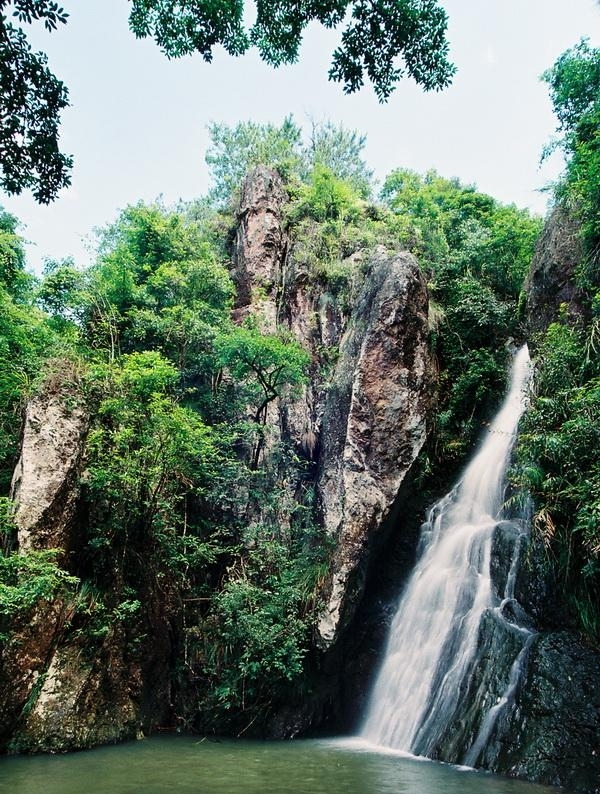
[
  {"x": 376, "y": 36},
  {"x": 382, "y": 43},
  {"x": 31, "y": 101}
]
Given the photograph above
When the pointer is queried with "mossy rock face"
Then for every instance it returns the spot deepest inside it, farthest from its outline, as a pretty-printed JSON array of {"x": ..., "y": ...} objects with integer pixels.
[
  {"x": 554, "y": 736},
  {"x": 552, "y": 733},
  {"x": 75, "y": 707}
]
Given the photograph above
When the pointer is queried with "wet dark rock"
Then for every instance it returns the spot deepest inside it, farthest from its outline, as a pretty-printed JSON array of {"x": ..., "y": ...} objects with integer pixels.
[
  {"x": 498, "y": 645},
  {"x": 555, "y": 727}
]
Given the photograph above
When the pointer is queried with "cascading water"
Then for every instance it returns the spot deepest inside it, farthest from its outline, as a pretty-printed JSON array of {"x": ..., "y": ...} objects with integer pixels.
[{"x": 433, "y": 639}]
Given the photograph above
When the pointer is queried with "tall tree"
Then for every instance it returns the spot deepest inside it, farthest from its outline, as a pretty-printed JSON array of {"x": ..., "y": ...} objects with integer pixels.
[
  {"x": 574, "y": 84},
  {"x": 234, "y": 151}
]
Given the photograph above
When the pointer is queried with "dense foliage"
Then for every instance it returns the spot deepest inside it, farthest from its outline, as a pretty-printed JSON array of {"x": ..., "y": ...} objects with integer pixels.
[
  {"x": 574, "y": 83},
  {"x": 558, "y": 455},
  {"x": 193, "y": 510},
  {"x": 558, "y": 450},
  {"x": 476, "y": 253},
  {"x": 27, "y": 579},
  {"x": 178, "y": 396}
]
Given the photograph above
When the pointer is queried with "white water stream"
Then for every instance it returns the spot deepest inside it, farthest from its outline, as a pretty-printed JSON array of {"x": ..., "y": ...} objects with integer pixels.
[{"x": 433, "y": 637}]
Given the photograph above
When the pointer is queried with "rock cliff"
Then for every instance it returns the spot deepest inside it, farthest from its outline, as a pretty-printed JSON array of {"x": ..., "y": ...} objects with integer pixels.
[
  {"x": 363, "y": 423},
  {"x": 356, "y": 429},
  {"x": 56, "y": 693},
  {"x": 260, "y": 246},
  {"x": 550, "y": 283},
  {"x": 373, "y": 424}
]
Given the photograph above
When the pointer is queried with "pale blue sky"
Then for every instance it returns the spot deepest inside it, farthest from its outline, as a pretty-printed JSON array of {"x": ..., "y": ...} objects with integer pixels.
[{"x": 137, "y": 125}]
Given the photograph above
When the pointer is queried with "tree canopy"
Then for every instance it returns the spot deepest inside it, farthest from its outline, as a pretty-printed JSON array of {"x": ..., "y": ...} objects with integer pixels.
[
  {"x": 234, "y": 151},
  {"x": 381, "y": 43},
  {"x": 574, "y": 83},
  {"x": 375, "y": 35},
  {"x": 31, "y": 101}
]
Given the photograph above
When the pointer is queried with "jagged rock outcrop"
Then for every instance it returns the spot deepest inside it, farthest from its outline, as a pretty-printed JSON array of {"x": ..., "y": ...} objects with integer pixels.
[
  {"x": 23, "y": 660},
  {"x": 260, "y": 245},
  {"x": 44, "y": 483},
  {"x": 362, "y": 424},
  {"x": 551, "y": 279},
  {"x": 374, "y": 422},
  {"x": 44, "y": 490},
  {"x": 551, "y": 731}
]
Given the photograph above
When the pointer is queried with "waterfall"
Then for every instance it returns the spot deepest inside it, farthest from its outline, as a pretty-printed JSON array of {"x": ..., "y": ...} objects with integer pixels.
[{"x": 433, "y": 638}]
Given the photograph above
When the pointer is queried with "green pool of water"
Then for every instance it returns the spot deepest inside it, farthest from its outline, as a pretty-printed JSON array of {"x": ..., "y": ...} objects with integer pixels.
[{"x": 188, "y": 766}]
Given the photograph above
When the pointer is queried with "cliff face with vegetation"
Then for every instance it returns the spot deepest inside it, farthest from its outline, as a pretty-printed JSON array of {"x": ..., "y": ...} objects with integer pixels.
[
  {"x": 555, "y": 725},
  {"x": 351, "y": 431},
  {"x": 557, "y": 450},
  {"x": 232, "y": 423},
  {"x": 221, "y": 442},
  {"x": 56, "y": 691},
  {"x": 360, "y": 419}
]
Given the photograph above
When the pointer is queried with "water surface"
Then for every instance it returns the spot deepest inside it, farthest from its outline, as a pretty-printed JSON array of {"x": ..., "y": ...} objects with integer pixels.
[{"x": 188, "y": 766}]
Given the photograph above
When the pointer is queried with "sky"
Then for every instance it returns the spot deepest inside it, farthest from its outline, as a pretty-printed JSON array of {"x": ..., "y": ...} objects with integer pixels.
[{"x": 137, "y": 121}]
